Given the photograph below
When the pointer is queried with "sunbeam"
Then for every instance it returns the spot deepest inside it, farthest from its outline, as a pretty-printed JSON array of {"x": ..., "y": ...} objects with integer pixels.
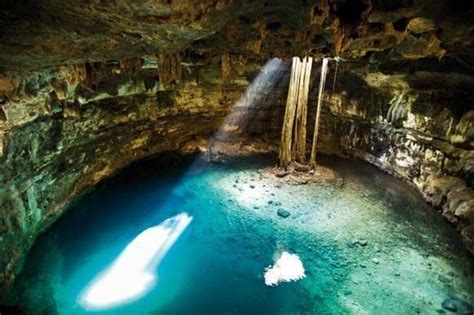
[{"x": 133, "y": 273}]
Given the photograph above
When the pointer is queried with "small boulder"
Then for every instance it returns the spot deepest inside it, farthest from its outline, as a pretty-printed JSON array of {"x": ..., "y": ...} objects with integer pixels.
[
  {"x": 456, "y": 305},
  {"x": 353, "y": 242},
  {"x": 302, "y": 168},
  {"x": 444, "y": 279},
  {"x": 449, "y": 304},
  {"x": 281, "y": 173},
  {"x": 283, "y": 213},
  {"x": 464, "y": 307}
]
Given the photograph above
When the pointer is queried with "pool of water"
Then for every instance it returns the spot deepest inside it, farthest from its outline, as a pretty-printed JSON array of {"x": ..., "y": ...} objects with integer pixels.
[{"x": 370, "y": 246}]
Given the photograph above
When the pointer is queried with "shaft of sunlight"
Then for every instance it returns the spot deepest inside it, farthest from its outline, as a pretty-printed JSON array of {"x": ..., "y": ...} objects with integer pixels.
[
  {"x": 243, "y": 112},
  {"x": 133, "y": 273}
]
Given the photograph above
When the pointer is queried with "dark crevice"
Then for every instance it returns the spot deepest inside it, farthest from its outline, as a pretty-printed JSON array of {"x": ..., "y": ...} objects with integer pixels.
[
  {"x": 401, "y": 24},
  {"x": 349, "y": 12},
  {"x": 273, "y": 26},
  {"x": 3, "y": 117},
  {"x": 391, "y": 5}
]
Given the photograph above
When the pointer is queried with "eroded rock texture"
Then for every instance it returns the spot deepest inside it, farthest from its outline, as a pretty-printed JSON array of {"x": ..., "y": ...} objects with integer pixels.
[
  {"x": 87, "y": 87},
  {"x": 40, "y": 34},
  {"x": 66, "y": 130},
  {"x": 418, "y": 125}
]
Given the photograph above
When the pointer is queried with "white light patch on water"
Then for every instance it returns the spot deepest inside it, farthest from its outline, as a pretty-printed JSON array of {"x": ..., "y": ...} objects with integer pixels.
[
  {"x": 286, "y": 269},
  {"x": 248, "y": 196},
  {"x": 133, "y": 273}
]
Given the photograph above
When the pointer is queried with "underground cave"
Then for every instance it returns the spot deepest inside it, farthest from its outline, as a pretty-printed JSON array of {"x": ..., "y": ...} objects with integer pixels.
[{"x": 236, "y": 157}]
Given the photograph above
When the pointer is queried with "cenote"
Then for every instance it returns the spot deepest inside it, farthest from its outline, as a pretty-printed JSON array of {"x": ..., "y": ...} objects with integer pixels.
[
  {"x": 220, "y": 157},
  {"x": 369, "y": 244}
]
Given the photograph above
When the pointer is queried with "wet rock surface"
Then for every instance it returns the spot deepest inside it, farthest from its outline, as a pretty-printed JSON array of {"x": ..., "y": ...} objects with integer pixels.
[
  {"x": 421, "y": 133},
  {"x": 299, "y": 174},
  {"x": 456, "y": 305},
  {"x": 283, "y": 213}
]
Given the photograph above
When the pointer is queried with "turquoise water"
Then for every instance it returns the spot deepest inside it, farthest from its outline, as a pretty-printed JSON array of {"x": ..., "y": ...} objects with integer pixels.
[{"x": 370, "y": 246}]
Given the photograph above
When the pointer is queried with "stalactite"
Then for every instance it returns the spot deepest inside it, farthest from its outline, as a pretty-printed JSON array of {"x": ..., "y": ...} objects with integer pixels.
[
  {"x": 131, "y": 66},
  {"x": 169, "y": 69},
  {"x": 322, "y": 83},
  {"x": 335, "y": 77},
  {"x": 80, "y": 72},
  {"x": 225, "y": 67}
]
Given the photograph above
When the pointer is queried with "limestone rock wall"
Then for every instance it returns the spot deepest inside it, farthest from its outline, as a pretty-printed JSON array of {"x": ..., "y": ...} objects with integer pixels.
[
  {"x": 418, "y": 126},
  {"x": 50, "y": 33},
  {"x": 62, "y": 131},
  {"x": 87, "y": 87}
]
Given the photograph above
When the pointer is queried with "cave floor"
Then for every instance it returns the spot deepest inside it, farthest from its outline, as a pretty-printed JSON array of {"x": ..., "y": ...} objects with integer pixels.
[{"x": 370, "y": 246}]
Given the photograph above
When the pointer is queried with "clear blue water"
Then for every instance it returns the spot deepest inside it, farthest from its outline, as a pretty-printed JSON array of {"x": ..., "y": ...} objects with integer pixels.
[{"x": 412, "y": 261}]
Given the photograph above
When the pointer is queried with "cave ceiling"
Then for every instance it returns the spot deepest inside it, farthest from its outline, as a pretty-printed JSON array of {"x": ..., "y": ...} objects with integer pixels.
[{"x": 41, "y": 34}]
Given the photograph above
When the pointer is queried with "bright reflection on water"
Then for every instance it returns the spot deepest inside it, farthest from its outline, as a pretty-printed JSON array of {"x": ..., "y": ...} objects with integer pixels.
[
  {"x": 132, "y": 274},
  {"x": 217, "y": 265},
  {"x": 287, "y": 268}
]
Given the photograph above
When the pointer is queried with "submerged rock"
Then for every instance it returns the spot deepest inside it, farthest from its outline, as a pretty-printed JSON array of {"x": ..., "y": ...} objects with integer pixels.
[
  {"x": 347, "y": 292},
  {"x": 281, "y": 174},
  {"x": 464, "y": 307},
  {"x": 444, "y": 279},
  {"x": 283, "y": 213},
  {"x": 302, "y": 168},
  {"x": 450, "y": 305},
  {"x": 354, "y": 242},
  {"x": 457, "y": 306}
]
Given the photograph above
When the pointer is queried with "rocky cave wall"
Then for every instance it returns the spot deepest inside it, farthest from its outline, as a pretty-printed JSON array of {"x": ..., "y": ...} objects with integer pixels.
[
  {"x": 62, "y": 131},
  {"x": 87, "y": 87},
  {"x": 414, "y": 120}
]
